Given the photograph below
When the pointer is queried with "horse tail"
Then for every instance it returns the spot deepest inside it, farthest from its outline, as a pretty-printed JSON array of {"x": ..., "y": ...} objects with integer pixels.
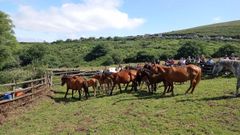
[
  {"x": 85, "y": 87},
  {"x": 199, "y": 76}
]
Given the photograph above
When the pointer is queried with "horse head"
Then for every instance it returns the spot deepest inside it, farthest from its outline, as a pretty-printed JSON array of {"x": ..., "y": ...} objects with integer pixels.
[{"x": 64, "y": 79}]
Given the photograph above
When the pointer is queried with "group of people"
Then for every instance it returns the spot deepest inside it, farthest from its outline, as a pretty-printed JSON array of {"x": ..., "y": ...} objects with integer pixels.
[{"x": 190, "y": 60}]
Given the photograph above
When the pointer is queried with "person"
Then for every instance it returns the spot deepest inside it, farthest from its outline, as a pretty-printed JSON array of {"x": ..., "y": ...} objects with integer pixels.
[
  {"x": 210, "y": 61},
  {"x": 167, "y": 62},
  {"x": 171, "y": 62},
  {"x": 198, "y": 60},
  {"x": 226, "y": 57},
  {"x": 189, "y": 60},
  {"x": 158, "y": 62},
  {"x": 233, "y": 57},
  {"x": 182, "y": 61},
  {"x": 202, "y": 59}
]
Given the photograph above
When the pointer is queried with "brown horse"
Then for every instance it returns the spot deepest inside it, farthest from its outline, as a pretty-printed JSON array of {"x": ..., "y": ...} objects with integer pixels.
[
  {"x": 75, "y": 83},
  {"x": 179, "y": 74},
  {"x": 124, "y": 77},
  {"x": 92, "y": 82},
  {"x": 152, "y": 79},
  {"x": 104, "y": 81}
]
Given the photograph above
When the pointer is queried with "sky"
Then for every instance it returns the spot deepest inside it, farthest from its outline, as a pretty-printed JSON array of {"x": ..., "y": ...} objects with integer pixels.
[{"x": 50, "y": 20}]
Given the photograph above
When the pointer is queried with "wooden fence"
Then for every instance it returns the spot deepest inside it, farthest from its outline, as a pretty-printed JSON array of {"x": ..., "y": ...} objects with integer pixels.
[{"x": 34, "y": 89}]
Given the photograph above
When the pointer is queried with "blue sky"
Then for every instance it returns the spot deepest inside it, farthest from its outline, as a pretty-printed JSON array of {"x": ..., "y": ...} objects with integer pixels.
[{"x": 39, "y": 20}]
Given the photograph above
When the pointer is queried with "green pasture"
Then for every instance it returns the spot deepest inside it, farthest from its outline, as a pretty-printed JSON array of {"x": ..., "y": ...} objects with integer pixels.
[{"x": 212, "y": 109}]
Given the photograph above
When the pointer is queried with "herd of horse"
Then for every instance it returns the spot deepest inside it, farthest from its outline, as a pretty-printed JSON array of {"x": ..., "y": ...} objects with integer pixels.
[{"x": 150, "y": 74}]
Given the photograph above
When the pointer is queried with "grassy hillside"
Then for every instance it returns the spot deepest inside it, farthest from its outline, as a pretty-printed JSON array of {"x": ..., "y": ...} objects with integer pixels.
[
  {"x": 210, "y": 110},
  {"x": 72, "y": 54},
  {"x": 224, "y": 29}
]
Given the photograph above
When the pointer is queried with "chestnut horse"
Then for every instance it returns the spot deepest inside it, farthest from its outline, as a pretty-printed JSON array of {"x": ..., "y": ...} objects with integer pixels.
[
  {"x": 103, "y": 80},
  {"x": 152, "y": 79},
  {"x": 75, "y": 83},
  {"x": 180, "y": 74},
  {"x": 92, "y": 82},
  {"x": 124, "y": 77}
]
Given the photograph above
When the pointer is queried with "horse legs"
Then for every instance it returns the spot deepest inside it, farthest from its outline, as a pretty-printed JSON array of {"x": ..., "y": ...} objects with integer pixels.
[
  {"x": 112, "y": 89},
  {"x": 86, "y": 92},
  {"x": 72, "y": 93},
  {"x": 191, "y": 84},
  {"x": 79, "y": 93},
  {"x": 148, "y": 88},
  {"x": 238, "y": 86},
  {"x": 155, "y": 87},
  {"x": 119, "y": 86},
  {"x": 66, "y": 94},
  {"x": 172, "y": 87},
  {"x": 94, "y": 89},
  {"x": 126, "y": 87},
  {"x": 166, "y": 87}
]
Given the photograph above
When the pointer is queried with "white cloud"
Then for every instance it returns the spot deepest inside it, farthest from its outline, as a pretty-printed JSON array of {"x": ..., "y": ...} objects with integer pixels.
[
  {"x": 90, "y": 15},
  {"x": 217, "y": 19}
]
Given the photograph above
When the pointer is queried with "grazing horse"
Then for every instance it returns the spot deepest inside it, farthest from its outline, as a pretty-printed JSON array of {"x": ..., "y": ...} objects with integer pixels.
[
  {"x": 75, "y": 83},
  {"x": 124, "y": 77},
  {"x": 152, "y": 79},
  {"x": 232, "y": 65},
  {"x": 180, "y": 74},
  {"x": 92, "y": 82}
]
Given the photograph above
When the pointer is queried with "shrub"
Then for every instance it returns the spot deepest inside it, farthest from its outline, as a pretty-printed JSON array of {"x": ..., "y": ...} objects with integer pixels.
[
  {"x": 109, "y": 61},
  {"x": 144, "y": 56},
  {"x": 190, "y": 48},
  {"x": 98, "y": 51},
  {"x": 227, "y": 49}
]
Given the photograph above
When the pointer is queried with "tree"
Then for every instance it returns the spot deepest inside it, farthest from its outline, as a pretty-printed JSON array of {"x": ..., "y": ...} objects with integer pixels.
[
  {"x": 227, "y": 49},
  {"x": 190, "y": 48},
  {"x": 109, "y": 61},
  {"x": 117, "y": 58},
  {"x": 8, "y": 41},
  {"x": 34, "y": 53},
  {"x": 98, "y": 51},
  {"x": 144, "y": 56}
]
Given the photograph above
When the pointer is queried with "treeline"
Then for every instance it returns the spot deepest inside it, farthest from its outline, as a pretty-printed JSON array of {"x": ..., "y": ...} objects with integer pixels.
[{"x": 108, "y": 52}]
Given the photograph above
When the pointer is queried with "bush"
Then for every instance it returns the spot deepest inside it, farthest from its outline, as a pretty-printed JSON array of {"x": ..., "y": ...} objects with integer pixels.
[
  {"x": 144, "y": 56},
  {"x": 34, "y": 53},
  {"x": 109, "y": 61},
  {"x": 117, "y": 58},
  {"x": 98, "y": 51},
  {"x": 227, "y": 49},
  {"x": 190, "y": 48}
]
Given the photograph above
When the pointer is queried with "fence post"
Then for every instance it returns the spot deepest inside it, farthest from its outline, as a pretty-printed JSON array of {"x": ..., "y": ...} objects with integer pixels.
[
  {"x": 14, "y": 88},
  {"x": 51, "y": 78},
  {"x": 32, "y": 86}
]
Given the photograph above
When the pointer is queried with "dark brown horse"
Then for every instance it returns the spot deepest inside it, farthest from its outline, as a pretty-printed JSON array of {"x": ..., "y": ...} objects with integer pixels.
[
  {"x": 152, "y": 79},
  {"x": 179, "y": 74},
  {"x": 124, "y": 77},
  {"x": 75, "y": 83}
]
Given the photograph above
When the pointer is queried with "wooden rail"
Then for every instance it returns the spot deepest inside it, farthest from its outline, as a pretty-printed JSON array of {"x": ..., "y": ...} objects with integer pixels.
[{"x": 30, "y": 90}]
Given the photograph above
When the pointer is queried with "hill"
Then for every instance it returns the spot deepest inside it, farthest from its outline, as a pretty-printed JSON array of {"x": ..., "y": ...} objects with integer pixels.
[{"x": 231, "y": 28}]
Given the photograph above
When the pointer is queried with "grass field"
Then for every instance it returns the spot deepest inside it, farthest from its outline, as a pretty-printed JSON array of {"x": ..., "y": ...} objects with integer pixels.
[{"x": 212, "y": 109}]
